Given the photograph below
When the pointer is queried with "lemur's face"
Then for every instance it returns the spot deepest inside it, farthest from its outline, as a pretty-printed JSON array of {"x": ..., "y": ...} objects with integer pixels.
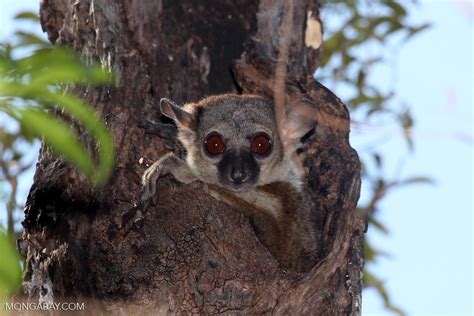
[
  {"x": 238, "y": 143},
  {"x": 236, "y": 160},
  {"x": 232, "y": 142}
]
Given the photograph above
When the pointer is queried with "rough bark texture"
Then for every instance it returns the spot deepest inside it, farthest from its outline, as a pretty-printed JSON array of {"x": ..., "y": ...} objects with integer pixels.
[{"x": 190, "y": 253}]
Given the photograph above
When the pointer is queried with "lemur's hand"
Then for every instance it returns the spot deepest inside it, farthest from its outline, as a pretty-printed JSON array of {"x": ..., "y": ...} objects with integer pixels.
[{"x": 167, "y": 164}]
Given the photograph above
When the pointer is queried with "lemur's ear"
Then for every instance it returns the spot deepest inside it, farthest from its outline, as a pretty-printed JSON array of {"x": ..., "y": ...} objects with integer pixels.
[
  {"x": 176, "y": 113},
  {"x": 297, "y": 120}
]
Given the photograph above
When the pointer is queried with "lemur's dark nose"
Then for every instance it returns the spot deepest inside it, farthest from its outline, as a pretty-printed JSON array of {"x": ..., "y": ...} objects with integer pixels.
[
  {"x": 238, "y": 174},
  {"x": 238, "y": 169}
]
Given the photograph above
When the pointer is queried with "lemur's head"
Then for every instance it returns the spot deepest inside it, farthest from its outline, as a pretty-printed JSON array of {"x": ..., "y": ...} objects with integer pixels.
[{"x": 233, "y": 141}]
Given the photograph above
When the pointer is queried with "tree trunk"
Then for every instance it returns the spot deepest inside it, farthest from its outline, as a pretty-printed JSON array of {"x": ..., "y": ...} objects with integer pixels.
[{"x": 189, "y": 254}]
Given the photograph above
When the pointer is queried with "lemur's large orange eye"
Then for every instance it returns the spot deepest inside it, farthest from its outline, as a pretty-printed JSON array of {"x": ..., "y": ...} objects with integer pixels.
[
  {"x": 261, "y": 144},
  {"x": 214, "y": 144}
]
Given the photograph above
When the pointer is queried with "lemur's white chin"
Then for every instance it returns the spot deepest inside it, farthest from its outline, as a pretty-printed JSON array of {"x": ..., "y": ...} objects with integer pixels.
[{"x": 244, "y": 187}]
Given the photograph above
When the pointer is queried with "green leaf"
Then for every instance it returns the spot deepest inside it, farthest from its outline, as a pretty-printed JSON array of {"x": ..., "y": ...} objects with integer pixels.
[
  {"x": 89, "y": 119},
  {"x": 59, "y": 137},
  {"x": 61, "y": 65},
  {"x": 397, "y": 8},
  {"x": 368, "y": 251},
  {"x": 27, "y": 38},
  {"x": 362, "y": 98},
  {"x": 36, "y": 79},
  {"x": 361, "y": 79},
  {"x": 331, "y": 46},
  {"x": 28, "y": 16},
  {"x": 376, "y": 22},
  {"x": 371, "y": 254},
  {"x": 371, "y": 280},
  {"x": 347, "y": 59},
  {"x": 415, "y": 30},
  {"x": 374, "y": 222},
  {"x": 10, "y": 270},
  {"x": 415, "y": 180},
  {"x": 406, "y": 121}
]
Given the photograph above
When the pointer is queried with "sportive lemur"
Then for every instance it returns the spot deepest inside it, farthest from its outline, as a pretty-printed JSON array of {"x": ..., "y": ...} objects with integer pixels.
[{"x": 245, "y": 158}]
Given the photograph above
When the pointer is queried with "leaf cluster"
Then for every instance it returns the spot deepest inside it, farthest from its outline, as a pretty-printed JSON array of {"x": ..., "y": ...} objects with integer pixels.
[
  {"x": 10, "y": 270},
  {"x": 32, "y": 92},
  {"x": 35, "y": 103},
  {"x": 359, "y": 35}
]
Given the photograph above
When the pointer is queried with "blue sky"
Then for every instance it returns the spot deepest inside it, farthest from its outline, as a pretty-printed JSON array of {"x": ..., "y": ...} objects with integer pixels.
[{"x": 429, "y": 271}]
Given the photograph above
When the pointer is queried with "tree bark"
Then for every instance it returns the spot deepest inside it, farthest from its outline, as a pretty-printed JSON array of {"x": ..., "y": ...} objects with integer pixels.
[{"x": 189, "y": 254}]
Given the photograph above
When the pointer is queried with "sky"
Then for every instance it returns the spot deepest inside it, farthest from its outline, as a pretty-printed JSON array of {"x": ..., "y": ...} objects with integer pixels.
[{"x": 429, "y": 270}]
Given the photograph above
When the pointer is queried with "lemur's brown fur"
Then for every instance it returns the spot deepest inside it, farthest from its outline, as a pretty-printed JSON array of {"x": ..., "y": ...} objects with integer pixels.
[{"x": 271, "y": 194}]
